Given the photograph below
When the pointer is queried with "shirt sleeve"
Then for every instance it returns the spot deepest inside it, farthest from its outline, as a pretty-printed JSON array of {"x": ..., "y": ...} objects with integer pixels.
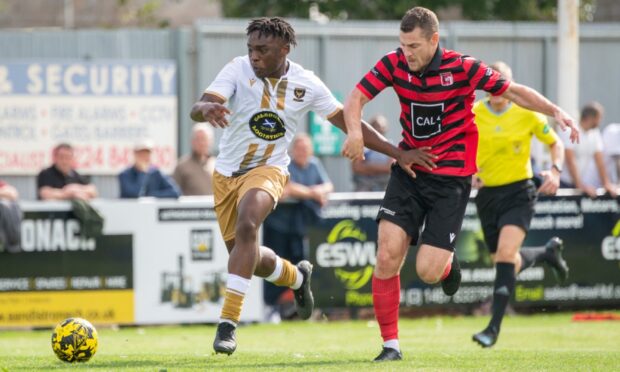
[
  {"x": 161, "y": 186},
  {"x": 128, "y": 188},
  {"x": 379, "y": 77},
  {"x": 81, "y": 179},
  {"x": 542, "y": 130},
  {"x": 483, "y": 77},
  {"x": 225, "y": 83},
  {"x": 324, "y": 103},
  {"x": 598, "y": 140},
  {"x": 41, "y": 180}
]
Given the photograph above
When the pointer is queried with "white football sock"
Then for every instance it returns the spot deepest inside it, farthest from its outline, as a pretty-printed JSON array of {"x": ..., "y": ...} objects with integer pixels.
[{"x": 392, "y": 344}]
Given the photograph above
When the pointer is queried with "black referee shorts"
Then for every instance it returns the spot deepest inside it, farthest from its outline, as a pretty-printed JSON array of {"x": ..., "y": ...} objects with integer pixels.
[
  {"x": 498, "y": 206},
  {"x": 437, "y": 202}
]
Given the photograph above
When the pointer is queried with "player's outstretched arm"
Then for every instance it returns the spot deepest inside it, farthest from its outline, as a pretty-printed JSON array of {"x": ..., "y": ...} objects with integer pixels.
[
  {"x": 376, "y": 141},
  {"x": 530, "y": 99},
  {"x": 353, "y": 147},
  {"x": 371, "y": 138},
  {"x": 210, "y": 109}
]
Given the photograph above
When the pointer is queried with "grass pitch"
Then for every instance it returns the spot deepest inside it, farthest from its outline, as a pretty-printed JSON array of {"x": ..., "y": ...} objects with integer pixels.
[{"x": 527, "y": 343}]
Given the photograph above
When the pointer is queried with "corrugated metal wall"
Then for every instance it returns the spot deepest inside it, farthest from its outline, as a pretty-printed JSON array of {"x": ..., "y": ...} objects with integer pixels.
[{"x": 340, "y": 53}]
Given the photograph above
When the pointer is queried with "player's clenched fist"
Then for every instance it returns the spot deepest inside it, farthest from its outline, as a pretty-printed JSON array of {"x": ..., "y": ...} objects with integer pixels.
[
  {"x": 353, "y": 147},
  {"x": 214, "y": 113}
]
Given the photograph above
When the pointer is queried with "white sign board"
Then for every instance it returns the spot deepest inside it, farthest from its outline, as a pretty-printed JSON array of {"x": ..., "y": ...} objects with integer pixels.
[
  {"x": 178, "y": 264},
  {"x": 101, "y": 108}
]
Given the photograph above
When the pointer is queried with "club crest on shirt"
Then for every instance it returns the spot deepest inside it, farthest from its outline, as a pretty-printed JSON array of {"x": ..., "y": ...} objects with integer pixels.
[
  {"x": 446, "y": 79},
  {"x": 267, "y": 125},
  {"x": 299, "y": 94}
]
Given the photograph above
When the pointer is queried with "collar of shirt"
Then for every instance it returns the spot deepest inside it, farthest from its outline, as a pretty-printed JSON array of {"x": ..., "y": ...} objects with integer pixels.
[
  {"x": 435, "y": 63},
  {"x": 199, "y": 159},
  {"x": 61, "y": 174}
]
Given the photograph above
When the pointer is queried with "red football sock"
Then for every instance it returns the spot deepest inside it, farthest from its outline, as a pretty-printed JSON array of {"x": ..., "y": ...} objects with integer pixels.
[
  {"x": 386, "y": 299},
  {"x": 446, "y": 271}
]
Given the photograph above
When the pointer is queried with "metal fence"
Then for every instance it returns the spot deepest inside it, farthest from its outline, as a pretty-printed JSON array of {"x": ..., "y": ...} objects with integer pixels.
[{"x": 340, "y": 53}]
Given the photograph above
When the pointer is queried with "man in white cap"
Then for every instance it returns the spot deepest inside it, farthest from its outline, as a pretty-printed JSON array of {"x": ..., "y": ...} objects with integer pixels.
[{"x": 144, "y": 178}]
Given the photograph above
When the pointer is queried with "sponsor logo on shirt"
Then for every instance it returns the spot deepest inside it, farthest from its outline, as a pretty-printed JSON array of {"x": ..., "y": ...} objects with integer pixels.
[
  {"x": 267, "y": 125},
  {"x": 426, "y": 119}
]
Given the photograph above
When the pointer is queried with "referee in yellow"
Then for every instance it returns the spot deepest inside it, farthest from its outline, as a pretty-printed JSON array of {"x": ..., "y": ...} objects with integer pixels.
[{"x": 506, "y": 194}]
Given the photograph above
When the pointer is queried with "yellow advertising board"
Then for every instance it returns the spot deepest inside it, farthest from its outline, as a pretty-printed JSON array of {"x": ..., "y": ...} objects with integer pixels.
[{"x": 42, "y": 309}]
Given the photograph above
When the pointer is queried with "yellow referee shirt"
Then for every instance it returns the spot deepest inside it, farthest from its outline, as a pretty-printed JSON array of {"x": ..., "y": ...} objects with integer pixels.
[{"x": 504, "y": 142}]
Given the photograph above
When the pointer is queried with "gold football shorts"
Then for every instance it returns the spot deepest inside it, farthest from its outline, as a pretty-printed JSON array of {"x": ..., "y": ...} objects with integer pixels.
[{"x": 228, "y": 191}]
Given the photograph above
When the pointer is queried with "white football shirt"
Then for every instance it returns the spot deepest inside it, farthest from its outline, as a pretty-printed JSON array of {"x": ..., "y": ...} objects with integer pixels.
[{"x": 265, "y": 114}]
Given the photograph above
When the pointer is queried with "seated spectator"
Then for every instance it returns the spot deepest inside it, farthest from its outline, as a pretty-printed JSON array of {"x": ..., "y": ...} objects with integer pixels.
[
  {"x": 61, "y": 181},
  {"x": 145, "y": 179},
  {"x": 584, "y": 160},
  {"x": 194, "y": 171},
  {"x": 10, "y": 219},
  {"x": 373, "y": 173},
  {"x": 8, "y": 192}
]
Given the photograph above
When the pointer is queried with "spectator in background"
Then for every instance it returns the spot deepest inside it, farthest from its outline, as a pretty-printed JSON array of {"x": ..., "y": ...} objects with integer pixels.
[
  {"x": 61, "y": 181},
  {"x": 285, "y": 228},
  {"x": 583, "y": 158},
  {"x": 10, "y": 219},
  {"x": 194, "y": 172},
  {"x": 8, "y": 192},
  {"x": 373, "y": 172},
  {"x": 145, "y": 179},
  {"x": 611, "y": 154}
]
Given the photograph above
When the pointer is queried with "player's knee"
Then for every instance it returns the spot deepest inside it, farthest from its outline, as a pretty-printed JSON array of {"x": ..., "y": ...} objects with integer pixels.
[
  {"x": 387, "y": 260},
  {"x": 428, "y": 274},
  {"x": 505, "y": 254},
  {"x": 246, "y": 230}
]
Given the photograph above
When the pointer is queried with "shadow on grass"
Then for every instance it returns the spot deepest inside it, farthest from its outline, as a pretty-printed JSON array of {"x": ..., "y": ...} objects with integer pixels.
[
  {"x": 111, "y": 365},
  {"x": 294, "y": 364}
]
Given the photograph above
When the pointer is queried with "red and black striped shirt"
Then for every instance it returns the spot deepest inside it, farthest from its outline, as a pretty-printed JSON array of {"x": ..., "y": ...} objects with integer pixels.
[{"x": 436, "y": 104}]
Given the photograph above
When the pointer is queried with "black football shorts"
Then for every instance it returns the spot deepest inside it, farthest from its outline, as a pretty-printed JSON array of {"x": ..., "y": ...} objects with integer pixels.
[
  {"x": 436, "y": 203},
  {"x": 498, "y": 206}
]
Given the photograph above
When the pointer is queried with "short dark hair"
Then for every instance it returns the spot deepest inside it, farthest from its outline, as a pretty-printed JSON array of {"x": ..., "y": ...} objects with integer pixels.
[
  {"x": 591, "y": 110},
  {"x": 275, "y": 26},
  {"x": 420, "y": 17},
  {"x": 63, "y": 146}
]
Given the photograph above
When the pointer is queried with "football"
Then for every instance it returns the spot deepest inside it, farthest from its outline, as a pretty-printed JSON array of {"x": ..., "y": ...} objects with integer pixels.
[{"x": 74, "y": 340}]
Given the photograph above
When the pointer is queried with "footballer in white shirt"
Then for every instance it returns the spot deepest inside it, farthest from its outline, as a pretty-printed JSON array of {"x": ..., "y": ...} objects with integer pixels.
[{"x": 259, "y": 99}]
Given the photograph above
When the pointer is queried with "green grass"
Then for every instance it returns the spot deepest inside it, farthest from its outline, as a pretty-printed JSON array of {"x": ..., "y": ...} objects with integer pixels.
[{"x": 527, "y": 343}]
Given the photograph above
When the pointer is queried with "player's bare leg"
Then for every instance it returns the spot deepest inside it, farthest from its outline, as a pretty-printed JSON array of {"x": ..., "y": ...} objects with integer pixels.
[
  {"x": 393, "y": 245},
  {"x": 247, "y": 258},
  {"x": 434, "y": 264},
  {"x": 252, "y": 210}
]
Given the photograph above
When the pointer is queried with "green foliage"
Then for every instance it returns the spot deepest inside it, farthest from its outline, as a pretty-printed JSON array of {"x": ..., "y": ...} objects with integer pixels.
[
  {"x": 142, "y": 14},
  {"x": 527, "y": 343},
  {"x": 506, "y": 10}
]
